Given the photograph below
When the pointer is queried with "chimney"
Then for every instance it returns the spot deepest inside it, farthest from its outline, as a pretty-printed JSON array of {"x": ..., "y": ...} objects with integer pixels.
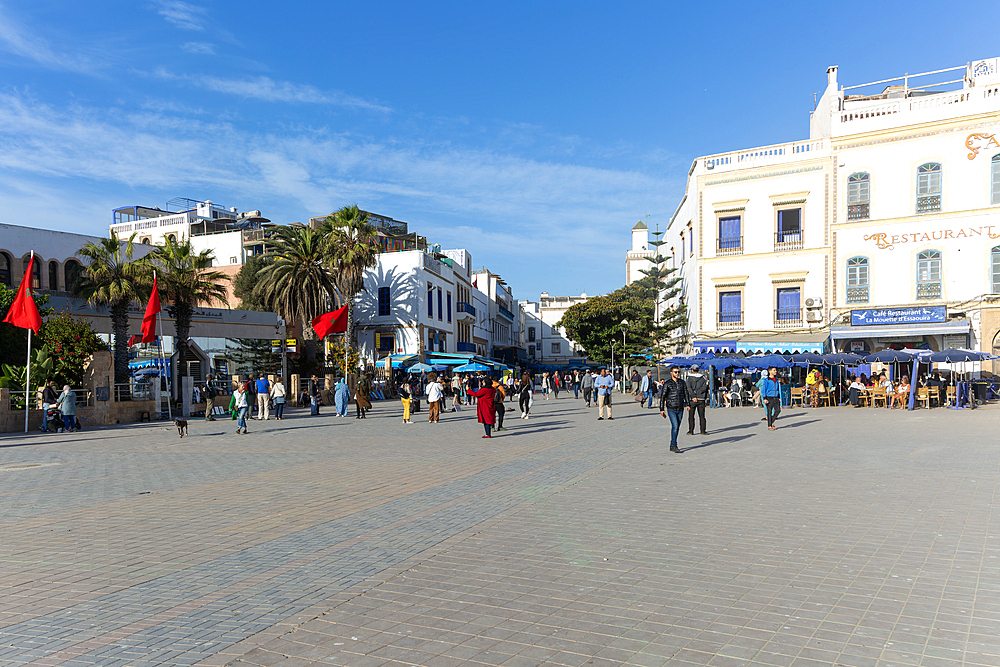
[{"x": 831, "y": 76}]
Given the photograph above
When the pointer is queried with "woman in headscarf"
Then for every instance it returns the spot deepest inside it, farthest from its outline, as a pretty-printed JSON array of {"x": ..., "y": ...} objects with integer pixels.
[
  {"x": 341, "y": 395},
  {"x": 484, "y": 407},
  {"x": 67, "y": 407},
  {"x": 362, "y": 400}
]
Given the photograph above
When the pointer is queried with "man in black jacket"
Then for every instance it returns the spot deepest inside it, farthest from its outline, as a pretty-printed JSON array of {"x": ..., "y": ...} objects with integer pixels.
[
  {"x": 673, "y": 399},
  {"x": 49, "y": 398},
  {"x": 697, "y": 386}
]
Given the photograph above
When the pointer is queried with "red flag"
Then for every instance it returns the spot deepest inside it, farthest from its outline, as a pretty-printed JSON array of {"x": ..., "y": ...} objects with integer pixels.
[
  {"x": 23, "y": 312},
  {"x": 328, "y": 323},
  {"x": 148, "y": 334}
]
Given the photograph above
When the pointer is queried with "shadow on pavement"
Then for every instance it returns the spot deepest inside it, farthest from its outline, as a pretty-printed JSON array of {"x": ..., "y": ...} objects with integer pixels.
[{"x": 735, "y": 438}]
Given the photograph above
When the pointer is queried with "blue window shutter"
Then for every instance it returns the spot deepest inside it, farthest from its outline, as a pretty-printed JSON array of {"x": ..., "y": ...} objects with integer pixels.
[{"x": 430, "y": 302}]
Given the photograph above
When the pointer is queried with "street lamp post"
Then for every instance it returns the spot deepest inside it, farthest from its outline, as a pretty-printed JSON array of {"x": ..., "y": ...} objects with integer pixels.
[
  {"x": 612, "y": 360},
  {"x": 624, "y": 325}
]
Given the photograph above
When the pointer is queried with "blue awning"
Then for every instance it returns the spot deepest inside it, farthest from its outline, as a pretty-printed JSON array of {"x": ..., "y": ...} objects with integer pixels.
[{"x": 901, "y": 330}]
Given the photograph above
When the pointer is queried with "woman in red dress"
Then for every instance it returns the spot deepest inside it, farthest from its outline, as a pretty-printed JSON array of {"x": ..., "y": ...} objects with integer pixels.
[{"x": 484, "y": 407}]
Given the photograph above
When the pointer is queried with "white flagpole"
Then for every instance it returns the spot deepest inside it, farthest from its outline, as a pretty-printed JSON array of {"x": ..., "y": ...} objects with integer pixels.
[
  {"x": 27, "y": 380},
  {"x": 163, "y": 362}
]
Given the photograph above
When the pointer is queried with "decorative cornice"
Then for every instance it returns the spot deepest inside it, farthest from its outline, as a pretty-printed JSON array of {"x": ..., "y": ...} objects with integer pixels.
[
  {"x": 751, "y": 177},
  {"x": 727, "y": 206},
  {"x": 788, "y": 277},
  {"x": 730, "y": 281}
]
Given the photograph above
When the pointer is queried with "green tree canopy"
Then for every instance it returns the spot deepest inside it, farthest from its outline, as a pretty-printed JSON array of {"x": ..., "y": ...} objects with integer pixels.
[
  {"x": 246, "y": 281},
  {"x": 596, "y": 323}
]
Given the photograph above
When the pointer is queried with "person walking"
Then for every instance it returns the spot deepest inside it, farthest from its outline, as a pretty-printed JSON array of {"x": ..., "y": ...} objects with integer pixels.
[
  {"x": 697, "y": 385},
  {"x": 524, "y": 391},
  {"x": 673, "y": 399},
  {"x": 499, "y": 396},
  {"x": 278, "y": 396},
  {"x": 404, "y": 397},
  {"x": 263, "y": 396},
  {"x": 576, "y": 384},
  {"x": 771, "y": 391},
  {"x": 545, "y": 385},
  {"x": 67, "y": 407},
  {"x": 341, "y": 397},
  {"x": 604, "y": 384},
  {"x": 587, "y": 384},
  {"x": 49, "y": 398},
  {"x": 456, "y": 392},
  {"x": 362, "y": 397},
  {"x": 636, "y": 382},
  {"x": 434, "y": 395},
  {"x": 210, "y": 395},
  {"x": 555, "y": 385},
  {"x": 314, "y": 396},
  {"x": 242, "y": 408},
  {"x": 485, "y": 410},
  {"x": 646, "y": 389}
]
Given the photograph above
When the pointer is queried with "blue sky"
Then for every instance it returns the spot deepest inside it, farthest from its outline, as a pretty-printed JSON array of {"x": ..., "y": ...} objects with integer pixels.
[{"x": 533, "y": 134}]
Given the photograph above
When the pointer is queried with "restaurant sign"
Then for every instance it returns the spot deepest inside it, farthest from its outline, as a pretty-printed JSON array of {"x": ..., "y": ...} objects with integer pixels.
[
  {"x": 919, "y": 315},
  {"x": 885, "y": 241}
]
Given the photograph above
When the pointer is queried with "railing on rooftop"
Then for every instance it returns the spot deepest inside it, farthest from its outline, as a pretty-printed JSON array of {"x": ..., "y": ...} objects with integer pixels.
[{"x": 777, "y": 153}]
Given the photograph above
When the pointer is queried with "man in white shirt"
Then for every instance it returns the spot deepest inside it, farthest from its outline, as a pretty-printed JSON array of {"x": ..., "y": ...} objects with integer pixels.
[{"x": 434, "y": 395}]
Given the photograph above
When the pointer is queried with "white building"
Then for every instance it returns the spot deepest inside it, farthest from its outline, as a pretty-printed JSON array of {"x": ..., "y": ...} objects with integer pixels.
[
  {"x": 504, "y": 323},
  {"x": 416, "y": 302},
  {"x": 893, "y": 202},
  {"x": 546, "y": 342}
]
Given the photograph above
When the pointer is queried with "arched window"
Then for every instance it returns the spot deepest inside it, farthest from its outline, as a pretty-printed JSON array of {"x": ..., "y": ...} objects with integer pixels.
[
  {"x": 5, "y": 267},
  {"x": 995, "y": 174},
  {"x": 36, "y": 279},
  {"x": 858, "y": 193},
  {"x": 929, "y": 274},
  {"x": 71, "y": 271},
  {"x": 995, "y": 268},
  {"x": 53, "y": 275},
  {"x": 857, "y": 280},
  {"x": 929, "y": 187}
]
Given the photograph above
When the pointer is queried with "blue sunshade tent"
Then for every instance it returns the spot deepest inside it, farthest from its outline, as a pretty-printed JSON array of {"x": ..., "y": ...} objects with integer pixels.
[
  {"x": 848, "y": 358},
  {"x": 956, "y": 356},
  {"x": 420, "y": 367},
  {"x": 472, "y": 368},
  {"x": 768, "y": 360},
  {"x": 808, "y": 357},
  {"x": 889, "y": 356}
]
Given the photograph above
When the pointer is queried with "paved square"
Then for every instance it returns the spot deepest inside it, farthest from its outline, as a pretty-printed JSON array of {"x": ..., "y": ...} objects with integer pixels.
[{"x": 847, "y": 537}]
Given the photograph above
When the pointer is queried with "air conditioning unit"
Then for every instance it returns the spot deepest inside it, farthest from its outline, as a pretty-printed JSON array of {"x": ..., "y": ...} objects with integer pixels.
[
  {"x": 815, "y": 302},
  {"x": 814, "y": 316}
]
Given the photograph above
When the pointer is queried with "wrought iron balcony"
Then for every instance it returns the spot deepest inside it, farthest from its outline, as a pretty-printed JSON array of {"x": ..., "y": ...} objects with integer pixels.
[
  {"x": 858, "y": 211},
  {"x": 929, "y": 290},
  {"x": 928, "y": 204},
  {"x": 857, "y": 294},
  {"x": 788, "y": 240},
  {"x": 729, "y": 245},
  {"x": 729, "y": 319},
  {"x": 785, "y": 318},
  {"x": 462, "y": 346}
]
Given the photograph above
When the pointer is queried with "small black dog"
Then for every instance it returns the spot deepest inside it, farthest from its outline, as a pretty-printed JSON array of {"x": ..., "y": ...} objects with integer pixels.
[{"x": 182, "y": 426}]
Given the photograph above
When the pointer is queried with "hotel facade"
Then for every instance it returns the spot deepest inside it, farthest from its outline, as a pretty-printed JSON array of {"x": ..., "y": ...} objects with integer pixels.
[{"x": 882, "y": 229}]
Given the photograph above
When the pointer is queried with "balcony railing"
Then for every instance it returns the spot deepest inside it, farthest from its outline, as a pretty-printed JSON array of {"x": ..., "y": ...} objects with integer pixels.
[
  {"x": 858, "y": 211},
  {"x": 730, "y": 319},
  {"x": 463, "y": 307},
  {"x": 462, "y": 346},
  {"x": 788, "y": 240},
  {"x": 506, "y": 313},
  {"x": 729, "y": 245},
  {"x": 929, "y": 204},
  {"x": 787, "y": 317},
  {"x": 929, "y": 290},
  {"x": 857, "y": 294}
]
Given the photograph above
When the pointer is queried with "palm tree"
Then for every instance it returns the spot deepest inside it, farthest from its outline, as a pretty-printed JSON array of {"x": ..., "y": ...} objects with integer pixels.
[
  {"x": 185, "y": 280},
  {"x": 353, "y": 248},
  {"x": 297, "y": 281},
  {"x": 112, "y": 278}
]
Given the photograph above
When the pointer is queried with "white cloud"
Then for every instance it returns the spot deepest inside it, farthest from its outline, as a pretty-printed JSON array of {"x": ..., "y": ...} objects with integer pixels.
[
  {"x": 184, "y": 15},
  {"x": 269, "y": 90},
  {"x": 203, "y": 48},
  {"x": 507, "y": 210},
  {"x": 16, "y": 38}
]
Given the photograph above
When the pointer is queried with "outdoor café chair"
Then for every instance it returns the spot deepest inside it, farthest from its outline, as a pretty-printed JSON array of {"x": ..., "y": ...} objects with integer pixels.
[
  {"x": 924, "y": 397},
  {"x": 796, "y": 395},
  {"x": 878, "y": 395}
]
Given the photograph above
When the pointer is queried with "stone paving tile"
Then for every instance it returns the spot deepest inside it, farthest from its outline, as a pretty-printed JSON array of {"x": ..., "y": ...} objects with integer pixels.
[{"x": 569, "y": 543}]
